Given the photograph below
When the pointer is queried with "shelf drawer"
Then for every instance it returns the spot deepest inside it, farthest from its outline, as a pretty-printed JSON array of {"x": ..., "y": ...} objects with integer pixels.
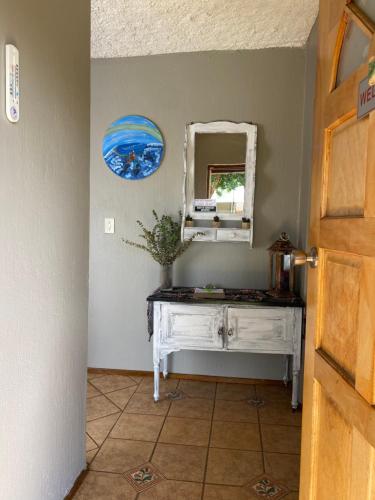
[
  {"x": 233, "y": 235},
  {"x": 209, "y": 234}
]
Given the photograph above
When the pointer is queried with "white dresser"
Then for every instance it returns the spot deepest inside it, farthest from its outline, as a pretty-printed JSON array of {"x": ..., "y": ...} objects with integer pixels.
[{"x": 227, "y": 326}]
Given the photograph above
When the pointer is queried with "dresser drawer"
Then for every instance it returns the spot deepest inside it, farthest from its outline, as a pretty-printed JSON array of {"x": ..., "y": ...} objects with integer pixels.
[
  {"x": 192, "y": 326},
  {"x": 261, "y": 329}
]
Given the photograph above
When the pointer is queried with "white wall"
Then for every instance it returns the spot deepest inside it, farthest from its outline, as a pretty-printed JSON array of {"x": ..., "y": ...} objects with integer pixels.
[
  {"x": 263, "y": 86},
  {"x": 44, "y": 179}
]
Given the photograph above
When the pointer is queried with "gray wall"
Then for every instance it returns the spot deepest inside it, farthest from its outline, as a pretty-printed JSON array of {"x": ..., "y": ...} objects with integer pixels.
[
  {"x": 44, "y": 181},
  {"x": 265, "y": 87}
]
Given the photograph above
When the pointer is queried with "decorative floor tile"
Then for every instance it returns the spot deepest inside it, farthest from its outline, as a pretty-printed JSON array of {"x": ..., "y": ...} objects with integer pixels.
[
  {"x": 266, "y": 487},
  {"x": 257, "y": 403},
  {"x": 143, "y": 477},
  {"x": 175, "y": 395},
  {"x": 110, "y": 383}
]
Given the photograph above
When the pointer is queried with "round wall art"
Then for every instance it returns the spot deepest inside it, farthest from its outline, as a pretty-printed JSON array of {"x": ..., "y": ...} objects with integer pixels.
[{"x": 133, "y": 147}]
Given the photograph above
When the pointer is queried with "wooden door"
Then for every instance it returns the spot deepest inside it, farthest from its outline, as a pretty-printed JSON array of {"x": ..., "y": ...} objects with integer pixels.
[{"x": 338, "y": 437}]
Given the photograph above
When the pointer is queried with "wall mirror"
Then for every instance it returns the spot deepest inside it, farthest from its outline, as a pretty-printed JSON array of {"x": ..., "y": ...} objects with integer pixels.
[{"x": 219, "y": 181}]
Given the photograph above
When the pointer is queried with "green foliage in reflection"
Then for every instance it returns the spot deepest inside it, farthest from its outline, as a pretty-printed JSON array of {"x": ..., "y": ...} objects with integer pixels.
[{"x": 227, "y": 182}]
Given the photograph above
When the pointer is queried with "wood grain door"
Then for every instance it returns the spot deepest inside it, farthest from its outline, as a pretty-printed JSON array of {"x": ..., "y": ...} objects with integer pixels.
[{"x": 338, "y": 439}]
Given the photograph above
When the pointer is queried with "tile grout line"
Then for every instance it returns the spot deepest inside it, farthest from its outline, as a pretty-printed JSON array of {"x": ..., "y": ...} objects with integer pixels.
[
  {"x": 167, "y": 414},
  {"x": 110, "y": 430},
  {"x": 161, "y": 428},
  {"x": 157, "y": 440},
  {"x": 260, "y": 434},
  {"x": 208, "y": 445}
]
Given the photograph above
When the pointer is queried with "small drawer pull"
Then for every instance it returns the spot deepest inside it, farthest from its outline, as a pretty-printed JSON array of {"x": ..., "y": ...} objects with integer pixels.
[{"x": 230, "y": 332}]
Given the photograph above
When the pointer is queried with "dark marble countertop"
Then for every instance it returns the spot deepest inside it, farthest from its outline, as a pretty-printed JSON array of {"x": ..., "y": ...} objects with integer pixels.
[{"x": 232, "y": 295}]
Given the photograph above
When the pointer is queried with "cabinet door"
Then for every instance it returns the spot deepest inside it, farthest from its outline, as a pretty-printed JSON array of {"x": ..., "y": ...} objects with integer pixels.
[
  {"x": 192, "y": 326},
  {"x": 261, "y": 329}
]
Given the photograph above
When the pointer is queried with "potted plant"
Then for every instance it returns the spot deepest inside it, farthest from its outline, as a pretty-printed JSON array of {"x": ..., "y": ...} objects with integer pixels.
[
  {"x": 245, "y": 223},
  {"x": 189, "y": 221},
  {"x": 216, "y": 221},
  {"x": 163, "y": 243}
]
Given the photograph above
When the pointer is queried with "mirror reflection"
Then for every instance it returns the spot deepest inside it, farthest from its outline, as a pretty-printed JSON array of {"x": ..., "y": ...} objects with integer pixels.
[{"x": 219, "y": 175}]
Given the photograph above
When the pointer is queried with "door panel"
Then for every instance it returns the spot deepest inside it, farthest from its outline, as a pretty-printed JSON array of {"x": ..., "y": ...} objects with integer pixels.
[
  {"x": 338, "y": 429},
  {"x": 345, "y": 143},
  {"x": 334, "y": 440},
  {"x": 340, "y": 302}
]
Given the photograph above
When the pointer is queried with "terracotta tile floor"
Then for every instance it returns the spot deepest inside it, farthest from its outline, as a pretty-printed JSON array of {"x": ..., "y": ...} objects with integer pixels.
[{"x": 202, "y": 440}]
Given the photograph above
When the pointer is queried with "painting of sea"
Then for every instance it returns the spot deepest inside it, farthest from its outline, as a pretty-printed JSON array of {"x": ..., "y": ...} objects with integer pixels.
[{"x": 133, "y": 147}]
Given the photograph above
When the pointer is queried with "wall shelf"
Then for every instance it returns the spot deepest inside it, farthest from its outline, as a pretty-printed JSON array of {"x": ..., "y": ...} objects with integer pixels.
[{"x": 221, "y": 234}]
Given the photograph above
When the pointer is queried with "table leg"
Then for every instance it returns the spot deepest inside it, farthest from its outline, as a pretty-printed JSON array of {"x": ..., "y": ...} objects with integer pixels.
[
  {"x": 295, "y": 389},
  {"x": 165, "y": 366},
  {"x": 286, "y": 373},
  {"x": 156, "y": 381}
]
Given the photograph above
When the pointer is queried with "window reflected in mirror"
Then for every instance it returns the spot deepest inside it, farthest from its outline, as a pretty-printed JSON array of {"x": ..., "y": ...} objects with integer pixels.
[
  {"x": 220, "y": 170},
  {"x": 226, "y": 185}
]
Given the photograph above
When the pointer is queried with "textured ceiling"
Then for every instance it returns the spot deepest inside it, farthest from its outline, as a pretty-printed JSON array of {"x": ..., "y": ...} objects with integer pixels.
[{"x": 122, "y": 28}]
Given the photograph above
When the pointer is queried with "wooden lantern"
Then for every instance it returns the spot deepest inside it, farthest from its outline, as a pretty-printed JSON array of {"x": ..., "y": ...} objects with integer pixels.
[{"x": 281, "y": 270}]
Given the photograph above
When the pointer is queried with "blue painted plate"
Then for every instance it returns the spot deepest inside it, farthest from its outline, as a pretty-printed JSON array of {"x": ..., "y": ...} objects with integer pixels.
[{"x": 133, "y": 147}]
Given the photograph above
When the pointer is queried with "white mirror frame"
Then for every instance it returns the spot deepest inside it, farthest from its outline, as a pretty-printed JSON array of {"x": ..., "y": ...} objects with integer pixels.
[{"x": 219, "y": 127}]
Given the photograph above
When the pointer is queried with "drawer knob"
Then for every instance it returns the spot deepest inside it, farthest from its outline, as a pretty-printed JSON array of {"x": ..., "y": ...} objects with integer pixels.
[{"x": 230, "y": 332}]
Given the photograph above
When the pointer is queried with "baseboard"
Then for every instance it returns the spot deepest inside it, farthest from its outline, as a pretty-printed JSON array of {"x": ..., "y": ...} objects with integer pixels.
[
  {"x": 76, "y": 485},
  {"x": 186, "y": 376}
]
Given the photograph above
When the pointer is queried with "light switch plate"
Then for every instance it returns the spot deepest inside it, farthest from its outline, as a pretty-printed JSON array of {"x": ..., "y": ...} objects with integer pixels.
[{"x": 109, "y": 225}]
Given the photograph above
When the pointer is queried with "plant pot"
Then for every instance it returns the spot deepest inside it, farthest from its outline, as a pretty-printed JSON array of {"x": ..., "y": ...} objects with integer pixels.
[
  {"x": 216, "y": 224},
  {"x": 166, "y": 274},
  {"x": 245, "y": 225},
  {"x": 189, "y": 223}
]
